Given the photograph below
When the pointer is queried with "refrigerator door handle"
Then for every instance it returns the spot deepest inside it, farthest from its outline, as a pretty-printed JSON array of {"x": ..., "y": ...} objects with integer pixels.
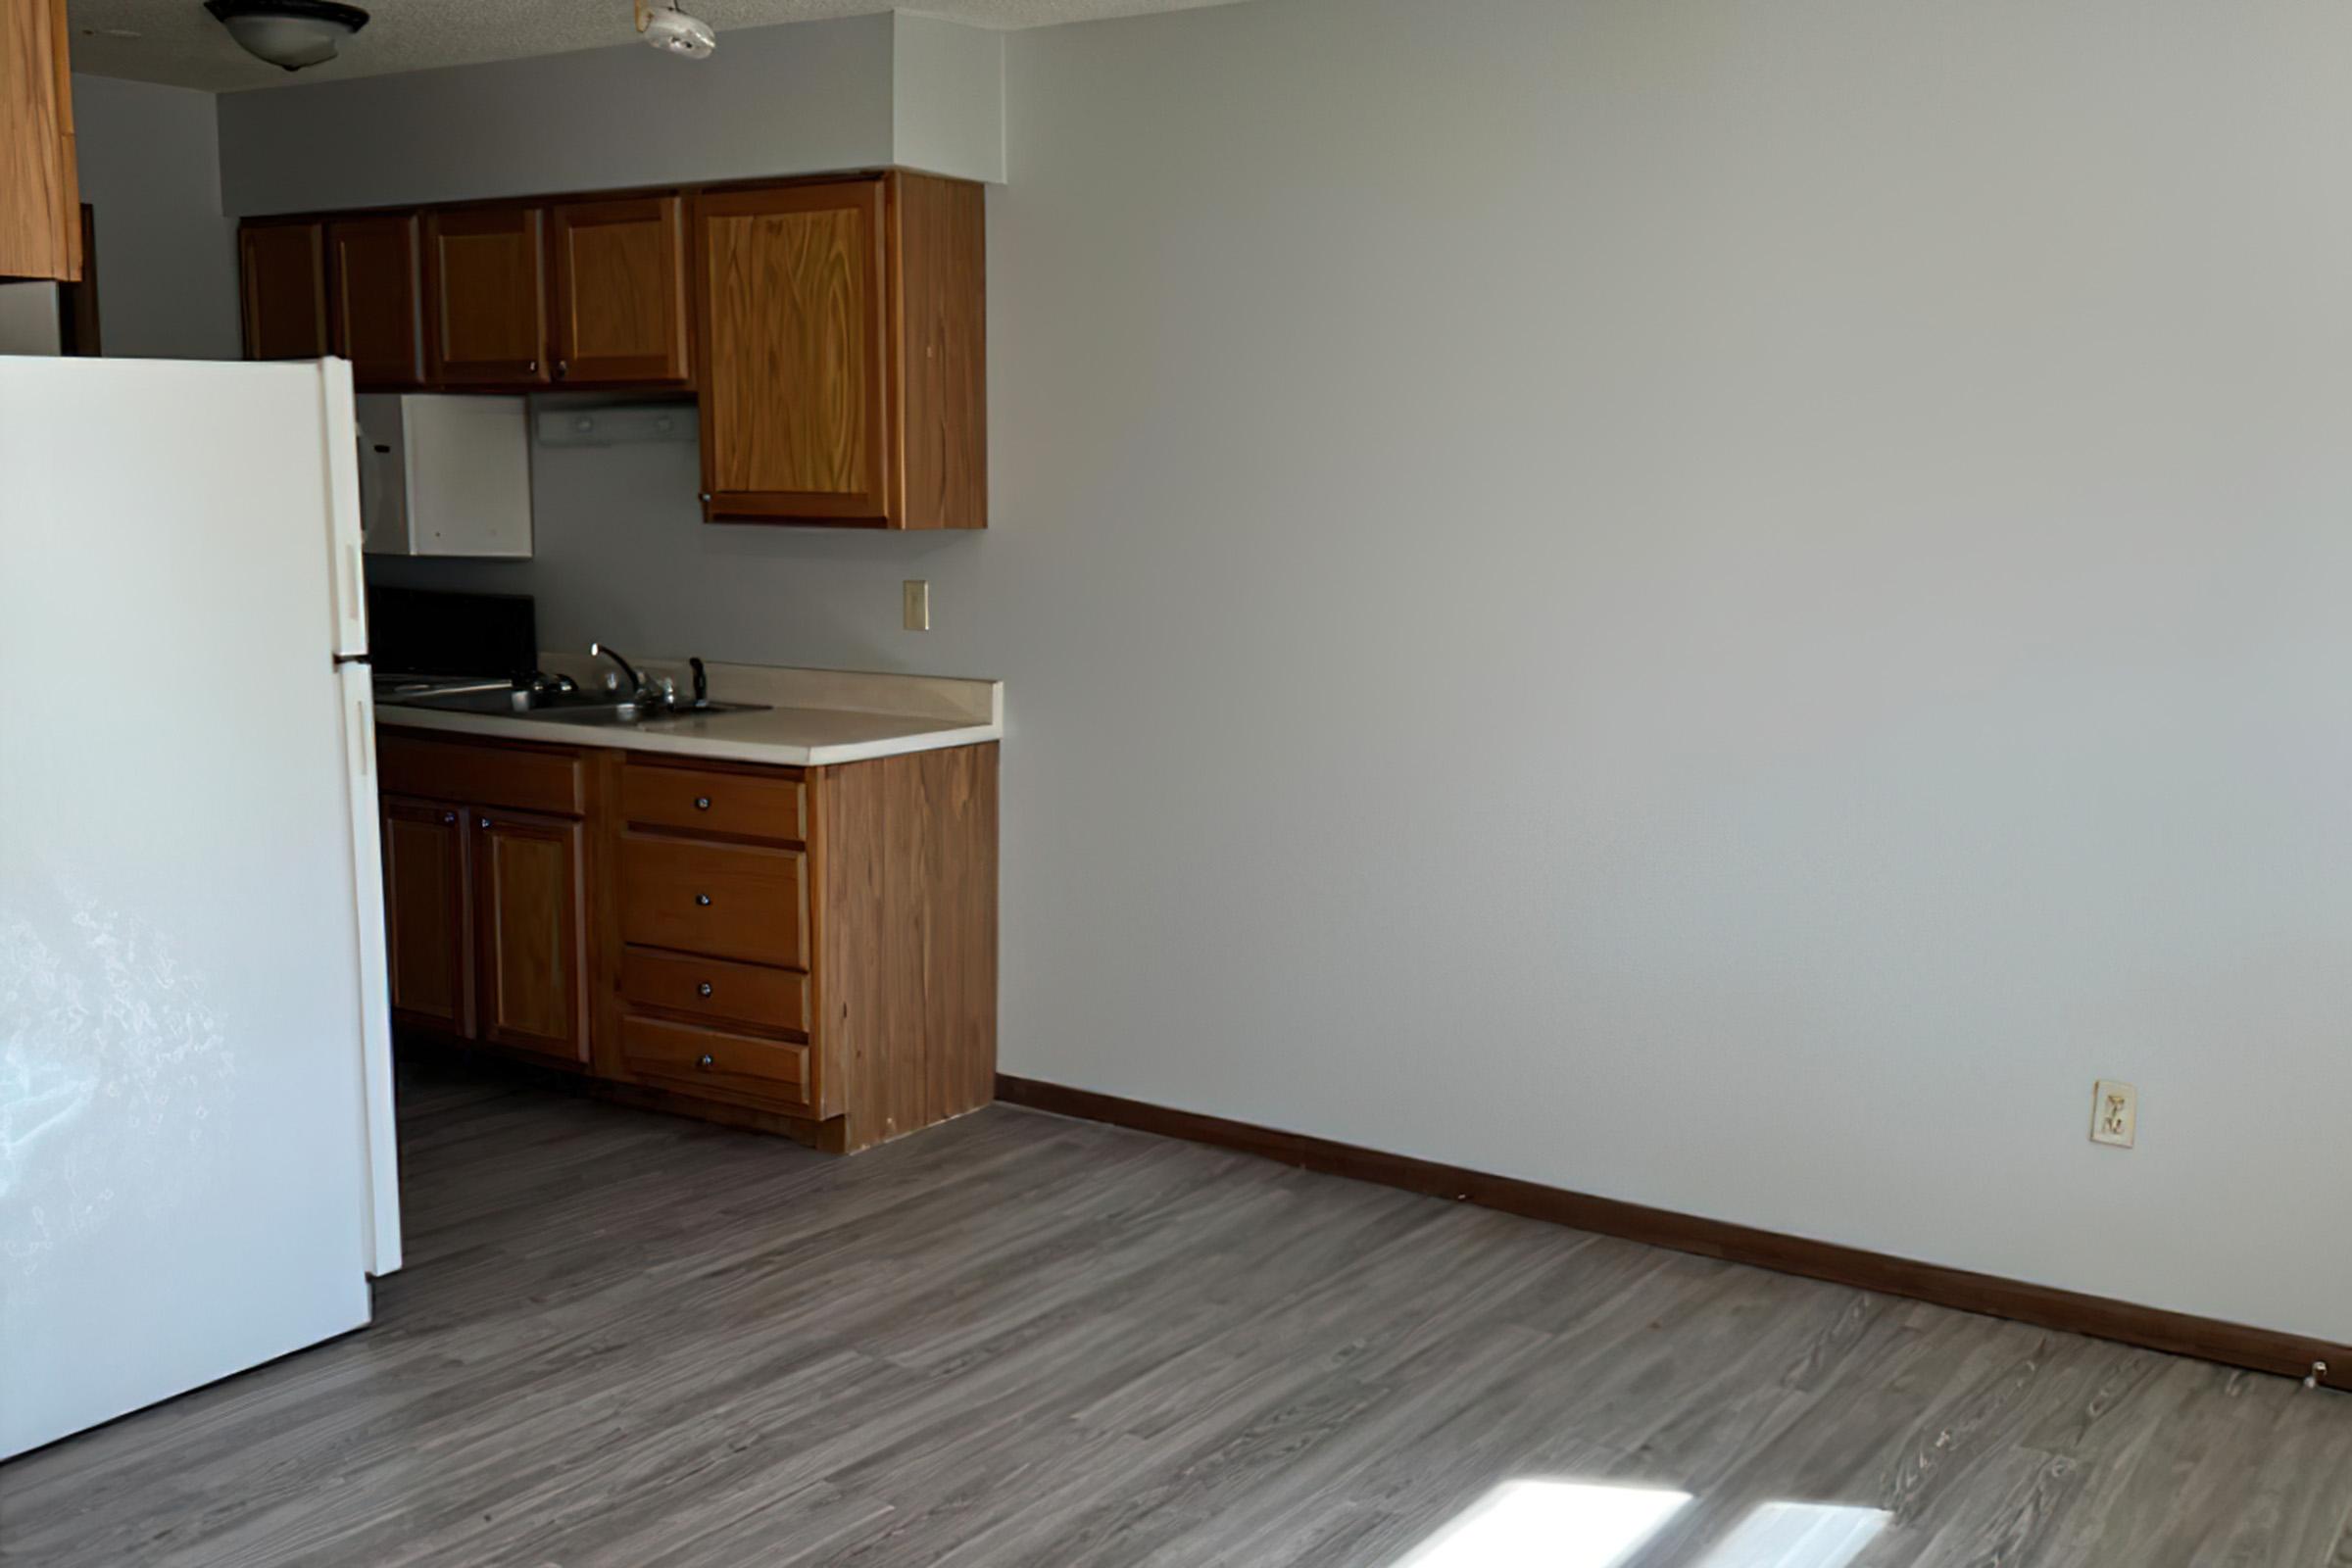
[
  {"x": 378, "y": 1131},
  {"x": 345, "y": 541}
]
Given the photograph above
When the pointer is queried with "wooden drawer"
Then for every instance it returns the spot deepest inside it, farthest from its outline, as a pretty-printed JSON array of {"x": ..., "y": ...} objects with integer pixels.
[
  {"x": 731, "y": 901},
  {"x": 520, "y": 778},
  {"x": 714, "y": 987},
  {"x": 711, "y": 1062},
  {"x": 767, "y": 804}
]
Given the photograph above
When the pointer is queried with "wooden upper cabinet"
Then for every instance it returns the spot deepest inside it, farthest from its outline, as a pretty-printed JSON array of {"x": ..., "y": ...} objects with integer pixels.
[
  {"x": 938, "y": 229},
  {"x": 40, "y": 198},
  {"x": 842, "y": 353},
  {"x": 794, "y": 338},
  {"x": 485, "y": 297},
  {"x": 372, "y": 283},
  {"x": 620, "y": 283},
  {"x": 284, "y": 273}
]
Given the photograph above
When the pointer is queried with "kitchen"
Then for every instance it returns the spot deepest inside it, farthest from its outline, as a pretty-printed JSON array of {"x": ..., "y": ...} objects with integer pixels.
[
  {"x": 1330, "y": 782},
  {"x": 757, "y": 896}
]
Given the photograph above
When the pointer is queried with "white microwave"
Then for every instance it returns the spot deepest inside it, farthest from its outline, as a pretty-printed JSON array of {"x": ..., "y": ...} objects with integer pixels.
[{"x": 442, "y": 475}]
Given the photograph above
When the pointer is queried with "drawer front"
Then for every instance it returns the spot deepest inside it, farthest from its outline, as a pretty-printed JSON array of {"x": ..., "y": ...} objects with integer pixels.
[
  {"x": 727, "y": 899},
  {"x": 693, "y": 800},
  {"x": 711, "y": 1062},
  {"x": 519, "y": 778},
  {"x": 715, "y": 988}
]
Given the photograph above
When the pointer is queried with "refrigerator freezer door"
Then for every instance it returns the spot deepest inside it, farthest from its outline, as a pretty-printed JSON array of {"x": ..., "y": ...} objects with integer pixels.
[
  {"x": 375, "y": 983},
  {"x": 183, "y": 1180}
]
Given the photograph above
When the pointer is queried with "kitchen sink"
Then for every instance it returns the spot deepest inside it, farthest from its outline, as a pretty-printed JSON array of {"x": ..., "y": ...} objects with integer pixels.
[
  {"x": 546, "y": 700},
  {"x": 649, "y": 713},
  {"x": 581, "y": 706}
]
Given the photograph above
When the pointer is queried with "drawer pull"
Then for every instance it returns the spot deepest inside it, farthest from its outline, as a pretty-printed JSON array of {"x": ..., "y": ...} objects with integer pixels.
[
  {"x": 703, "y": 899},
  {"x": 701, "y": 802},
  {"x": 703, "y": 990},
  {"x": 704, "y": 1062}
]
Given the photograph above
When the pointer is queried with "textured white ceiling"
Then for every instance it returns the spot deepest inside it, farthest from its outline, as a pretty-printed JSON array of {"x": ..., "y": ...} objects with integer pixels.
[{"x": 177, "y": 41}]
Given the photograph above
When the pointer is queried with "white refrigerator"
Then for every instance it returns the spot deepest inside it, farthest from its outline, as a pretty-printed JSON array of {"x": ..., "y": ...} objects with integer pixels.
[{"x": 197, "y": 1166}]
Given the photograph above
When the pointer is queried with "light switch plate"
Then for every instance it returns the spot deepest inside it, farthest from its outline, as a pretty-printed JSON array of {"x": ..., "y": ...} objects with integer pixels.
[
  {"x": 2114, "y": 1113},
  {"x": 917, "y": 596}
]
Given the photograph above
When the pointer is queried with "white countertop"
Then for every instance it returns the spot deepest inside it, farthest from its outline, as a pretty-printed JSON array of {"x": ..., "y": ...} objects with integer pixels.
[{"x": 814, "y": 718}]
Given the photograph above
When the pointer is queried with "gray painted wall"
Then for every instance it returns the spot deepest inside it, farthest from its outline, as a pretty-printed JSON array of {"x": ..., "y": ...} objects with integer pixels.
[
  {"x": 1712, "y": 604},
  {"x": 167, "y": 259},
  {"x": 783, "y": 100},
  {"x": 947, "y": 97},
  {"x": 803, "y": 98}
]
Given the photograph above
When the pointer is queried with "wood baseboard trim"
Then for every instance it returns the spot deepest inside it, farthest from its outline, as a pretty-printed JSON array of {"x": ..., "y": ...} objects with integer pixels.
[{"x": 2044, "y": 1306}]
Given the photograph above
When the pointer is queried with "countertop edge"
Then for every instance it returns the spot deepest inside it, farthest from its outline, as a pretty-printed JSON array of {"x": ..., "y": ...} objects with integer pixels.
[{"x": 548, "y": 732}]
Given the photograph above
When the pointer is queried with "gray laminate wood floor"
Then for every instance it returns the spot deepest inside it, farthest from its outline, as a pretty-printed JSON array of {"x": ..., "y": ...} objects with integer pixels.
[{"x": 625, "y": 1338}]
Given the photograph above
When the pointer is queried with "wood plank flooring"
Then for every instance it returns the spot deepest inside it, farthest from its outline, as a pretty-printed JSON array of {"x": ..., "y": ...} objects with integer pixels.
[{"x": 629, "y": 1340}]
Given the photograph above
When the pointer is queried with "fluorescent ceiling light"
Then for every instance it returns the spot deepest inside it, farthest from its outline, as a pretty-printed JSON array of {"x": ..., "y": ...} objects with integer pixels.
[{"x": 1548, "y": 1524}]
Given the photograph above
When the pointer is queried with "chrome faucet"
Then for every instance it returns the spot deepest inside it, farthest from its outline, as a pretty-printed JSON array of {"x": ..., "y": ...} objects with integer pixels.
[{"x": 638, "y": 690}]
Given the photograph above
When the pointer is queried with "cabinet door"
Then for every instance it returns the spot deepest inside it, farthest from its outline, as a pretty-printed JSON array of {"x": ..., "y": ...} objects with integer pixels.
[
  {"x": 795, "y": 392},
  {"x": 427, "y": 913},
  {"x": 528, "y": 886},
  {"x": 485, "y": 297},
  {"x": 284, "y": 290},
  {"x": 372, "y": 268},
  {"x": 41, "y": 235},
  {"x": 620, "y": 291}
]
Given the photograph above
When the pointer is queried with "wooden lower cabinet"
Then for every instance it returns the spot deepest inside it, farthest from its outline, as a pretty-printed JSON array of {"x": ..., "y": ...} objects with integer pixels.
[
  {"x": 427, "y": 913},
  {"x": 529, "y": 883},
  {"x": 806, "y": 950},
  {"x": 485, "y": 895}
]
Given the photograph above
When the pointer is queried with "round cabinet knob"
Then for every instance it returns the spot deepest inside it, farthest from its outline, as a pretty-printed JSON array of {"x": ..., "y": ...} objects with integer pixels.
[
  {"x": 449, "y": 817},
  {"x": 706, "y": 498},
  {"x": 532, "y": 369},
  {"x": 563, "y": 368},
  {"x": 481, "y": 821},
  {"x": 703, "y": 990},
  {"x": 705, "y": 1063},
  {"x": 703, "y": 899},
  {"x": 701, "y": 802}
]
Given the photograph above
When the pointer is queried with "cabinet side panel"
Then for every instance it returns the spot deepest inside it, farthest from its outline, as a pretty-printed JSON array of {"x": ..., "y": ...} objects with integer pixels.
[
  {"x": 909, "y": 966},
  {"x": 943, "y": 337},
  {"x": 37, "y": 171}
]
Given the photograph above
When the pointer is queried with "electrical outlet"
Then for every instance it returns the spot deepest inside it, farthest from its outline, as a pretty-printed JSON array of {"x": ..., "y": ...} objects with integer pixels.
[
  {"x": 2114, "y": 1113},
  {"x": 917, "y": 598}
]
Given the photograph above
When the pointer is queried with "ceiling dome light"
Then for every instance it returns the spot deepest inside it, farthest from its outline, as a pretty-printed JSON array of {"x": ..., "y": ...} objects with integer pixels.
[
  {"x": 673, "y": 32},
  {"x": 288, "y": 33}
]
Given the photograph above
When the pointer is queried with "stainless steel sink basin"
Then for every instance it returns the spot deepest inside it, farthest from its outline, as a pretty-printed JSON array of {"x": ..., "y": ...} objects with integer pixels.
[
  {"x": 550, "y": 702},
  {"x": 580, "y": 706},
  {"x": 649, "y": 713},
  {"x": 689, "y": 709}
]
